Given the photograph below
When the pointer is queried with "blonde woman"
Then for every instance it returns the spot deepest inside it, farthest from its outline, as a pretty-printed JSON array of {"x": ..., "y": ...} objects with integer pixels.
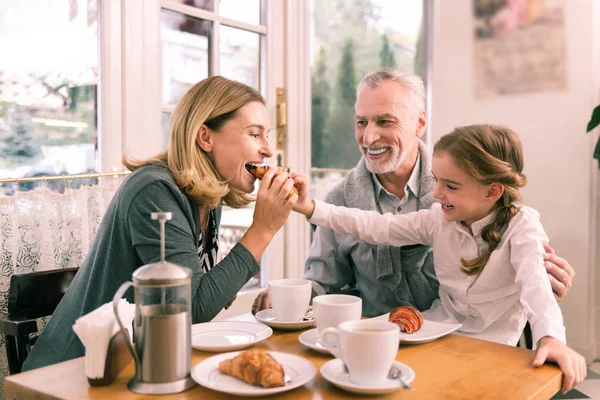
[
  {"x": 217, "y": 128},
  {"x": 488, "y": 249}
]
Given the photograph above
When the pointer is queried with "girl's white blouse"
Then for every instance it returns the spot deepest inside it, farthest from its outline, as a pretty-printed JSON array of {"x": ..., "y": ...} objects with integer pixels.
[{"x": 493, "y": 305}]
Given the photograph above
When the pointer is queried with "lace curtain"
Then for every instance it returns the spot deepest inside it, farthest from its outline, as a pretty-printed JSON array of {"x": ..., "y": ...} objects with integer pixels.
[{"x": 44, "y": 230}]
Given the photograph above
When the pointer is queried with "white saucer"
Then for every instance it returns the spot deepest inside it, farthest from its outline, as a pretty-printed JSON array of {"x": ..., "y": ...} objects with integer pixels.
[
  {"x": 268, "y": 317},
  {"x": 207, "y": 374},
  {"x": 228, "y": 335},
  {"x": 311, "y": 340},
  {"x": 430, "y": 331},
  {"x": 334, "y": 372}
]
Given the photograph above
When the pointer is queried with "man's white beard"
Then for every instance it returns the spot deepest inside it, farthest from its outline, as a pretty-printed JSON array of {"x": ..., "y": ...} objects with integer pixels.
[{"x": 392, "y": 164}]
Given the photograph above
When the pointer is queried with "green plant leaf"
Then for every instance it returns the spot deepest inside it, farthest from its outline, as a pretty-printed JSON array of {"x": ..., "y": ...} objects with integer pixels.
[
  {"x": 594, "y": 121},
  {"x": 597, "y": 152}
]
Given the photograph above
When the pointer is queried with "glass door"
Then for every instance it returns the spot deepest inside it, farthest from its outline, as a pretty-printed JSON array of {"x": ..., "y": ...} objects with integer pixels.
[
  {"x": 241, "y": 40},
  {"x": 330, "y": 46},
  {"x": 349, "y": 39}
]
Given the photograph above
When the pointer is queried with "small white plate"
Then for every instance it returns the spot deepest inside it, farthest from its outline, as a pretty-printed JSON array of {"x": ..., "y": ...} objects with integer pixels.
[
  {"x": 207, "y": 374},
  {"x": 268, "y": 317},
  {"x": 334, "y": 372},
  {"x": 311, "y": 340},
  {"x": 228, "y": 335},
  {"x": 430, "y": 331}
]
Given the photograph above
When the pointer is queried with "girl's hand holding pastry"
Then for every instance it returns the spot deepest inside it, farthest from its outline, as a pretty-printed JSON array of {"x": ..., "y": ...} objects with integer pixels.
[{"x": 304, "y": 205}]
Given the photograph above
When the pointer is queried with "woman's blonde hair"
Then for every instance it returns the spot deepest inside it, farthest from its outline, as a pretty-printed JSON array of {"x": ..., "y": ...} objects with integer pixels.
[
  {"x": 212, "y": 102},
  {"x": 488, "y": 153}
]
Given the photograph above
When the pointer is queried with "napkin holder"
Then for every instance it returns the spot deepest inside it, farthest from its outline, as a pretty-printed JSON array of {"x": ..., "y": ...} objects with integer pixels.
[{"x": 118, "y": 357}]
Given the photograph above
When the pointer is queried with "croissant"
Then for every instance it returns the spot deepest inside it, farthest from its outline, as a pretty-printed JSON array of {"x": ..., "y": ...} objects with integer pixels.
[
  {"x": 259, "y": 171},
  {"x": 256, "y": 367},
  {"x": 408, "y": 318}
]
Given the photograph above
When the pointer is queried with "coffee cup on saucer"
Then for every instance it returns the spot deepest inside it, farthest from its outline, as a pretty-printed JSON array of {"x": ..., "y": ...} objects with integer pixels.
[
  {"x": 290, "y": 298},
  {"x": 331, "y": 309},
  {"x": 368, "y": 348}
]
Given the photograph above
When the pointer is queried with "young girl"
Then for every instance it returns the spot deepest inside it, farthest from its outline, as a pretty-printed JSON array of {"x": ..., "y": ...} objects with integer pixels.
[{"x": 488, "y": 251}]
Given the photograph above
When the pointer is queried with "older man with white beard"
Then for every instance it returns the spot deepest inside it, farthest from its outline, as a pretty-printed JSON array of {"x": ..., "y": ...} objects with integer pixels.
[{"x": 393, "y": 176}]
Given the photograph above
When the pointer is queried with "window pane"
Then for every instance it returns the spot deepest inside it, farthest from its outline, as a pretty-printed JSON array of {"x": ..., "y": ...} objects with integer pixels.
[
  {"x": 165, "y": 120},
  {"x": 241, "y": 10},
  {"x": 240, "y": 55},
  {"x": 207, "y": 5},
  {"x": 186, "y": 49},
  {"x": 350, "y": 39},
  {"x": 48, "y": 88}
]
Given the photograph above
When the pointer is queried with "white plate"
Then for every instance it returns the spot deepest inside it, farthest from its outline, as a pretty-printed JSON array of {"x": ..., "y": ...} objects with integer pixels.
[
  {"x": 228, "y": 335},
  {"x": 311, "y": 340},
  {"x": 207, "y": 374},
  {"x": 430, "y": 331},
  {"x": 334, "y": 372},
  {"x": 268, "y": 317}
]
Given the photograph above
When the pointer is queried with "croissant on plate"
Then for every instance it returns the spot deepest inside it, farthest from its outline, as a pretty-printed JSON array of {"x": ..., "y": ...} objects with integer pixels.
[
  {"x": 408, "y": 318},
  {"x": 259, "y": 171},
  {"x": 256, "y": 367}
]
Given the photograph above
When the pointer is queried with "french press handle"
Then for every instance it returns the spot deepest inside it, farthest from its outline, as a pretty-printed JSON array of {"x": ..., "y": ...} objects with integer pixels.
[{"x": 116, "y": 299}]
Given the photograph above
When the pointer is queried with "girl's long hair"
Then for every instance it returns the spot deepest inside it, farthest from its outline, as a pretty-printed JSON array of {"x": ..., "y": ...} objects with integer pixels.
[
  {"x": 488, "y": 153},
  {"x": 212, "y": 102}
]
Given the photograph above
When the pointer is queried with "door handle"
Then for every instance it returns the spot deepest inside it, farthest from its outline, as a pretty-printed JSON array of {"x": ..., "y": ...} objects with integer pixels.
[{"x": 281, "y": 123}]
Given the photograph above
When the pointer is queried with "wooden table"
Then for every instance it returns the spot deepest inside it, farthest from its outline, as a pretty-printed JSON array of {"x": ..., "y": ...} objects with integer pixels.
[{"x": 453, "y": 367}]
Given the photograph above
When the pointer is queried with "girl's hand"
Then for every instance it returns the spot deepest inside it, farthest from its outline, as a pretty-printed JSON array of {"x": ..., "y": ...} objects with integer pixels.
[
  {"x": 304, "y": 205},
  {"x": 273, "y": 203},
  {"x": 571, "y": 363}
]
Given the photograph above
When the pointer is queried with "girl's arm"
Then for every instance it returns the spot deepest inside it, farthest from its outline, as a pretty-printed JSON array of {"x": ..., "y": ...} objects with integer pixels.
[
  {"x": 543, "y": 313},
  {"x": 526, "y": 256},
  {"x": 372, "y": 227}
]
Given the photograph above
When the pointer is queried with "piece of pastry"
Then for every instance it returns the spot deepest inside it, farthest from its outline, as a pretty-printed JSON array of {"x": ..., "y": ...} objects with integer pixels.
[
  {"x": 408, "y": 318},
  {"x": 259, "y": 171},
  {"x": 256, "y": 367}
]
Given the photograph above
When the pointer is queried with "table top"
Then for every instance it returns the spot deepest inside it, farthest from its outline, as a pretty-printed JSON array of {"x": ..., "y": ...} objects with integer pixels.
[{"x": 452, "y": 367}]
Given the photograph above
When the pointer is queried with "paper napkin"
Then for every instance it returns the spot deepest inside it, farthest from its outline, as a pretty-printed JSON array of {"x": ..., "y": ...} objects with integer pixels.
[{"x": 95, "y": 330}]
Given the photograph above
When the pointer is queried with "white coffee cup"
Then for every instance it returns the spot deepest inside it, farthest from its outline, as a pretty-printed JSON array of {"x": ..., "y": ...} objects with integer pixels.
[
  {"x": 332, "y": 309},
  {"x": 367, "y": 347},
  {"x": 290, "y": 298}
]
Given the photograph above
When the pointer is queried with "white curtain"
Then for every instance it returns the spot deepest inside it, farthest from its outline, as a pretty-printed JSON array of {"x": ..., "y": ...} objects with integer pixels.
[{"x": 44, "y": 230}]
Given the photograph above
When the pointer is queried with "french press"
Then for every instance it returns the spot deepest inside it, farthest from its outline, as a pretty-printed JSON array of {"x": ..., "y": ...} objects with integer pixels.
[{"x": 162, "y": 324}]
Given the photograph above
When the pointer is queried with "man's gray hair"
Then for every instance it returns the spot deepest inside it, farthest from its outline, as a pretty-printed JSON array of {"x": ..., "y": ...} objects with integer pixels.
[{"x": 412, "y": 83}]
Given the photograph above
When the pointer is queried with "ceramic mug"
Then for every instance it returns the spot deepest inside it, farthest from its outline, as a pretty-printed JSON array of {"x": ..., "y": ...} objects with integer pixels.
[
  {"x": 290, "y": 298},
  {"x": 331, "y": 309},
  {"x": 367, "y": 347}
]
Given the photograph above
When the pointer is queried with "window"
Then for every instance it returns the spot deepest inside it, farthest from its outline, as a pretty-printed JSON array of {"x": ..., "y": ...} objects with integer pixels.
[
  {"x": 205, "y": 38},
  {"x": 48, "y": 89},
  {"x": 349, "y": 39}
]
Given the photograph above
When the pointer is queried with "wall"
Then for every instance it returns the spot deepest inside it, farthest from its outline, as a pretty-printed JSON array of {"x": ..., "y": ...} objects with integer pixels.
[{"x": 552, "y": 126}]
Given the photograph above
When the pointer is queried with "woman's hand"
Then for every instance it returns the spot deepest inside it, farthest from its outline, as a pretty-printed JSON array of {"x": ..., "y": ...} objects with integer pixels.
[
  {"x": 273, "y": 201},
  {"x": 272, "y": 208},
  {"x": 559, "y": 271},
  {"x": 304, "y": 205},
  {"x": 571, "y": 363}
]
